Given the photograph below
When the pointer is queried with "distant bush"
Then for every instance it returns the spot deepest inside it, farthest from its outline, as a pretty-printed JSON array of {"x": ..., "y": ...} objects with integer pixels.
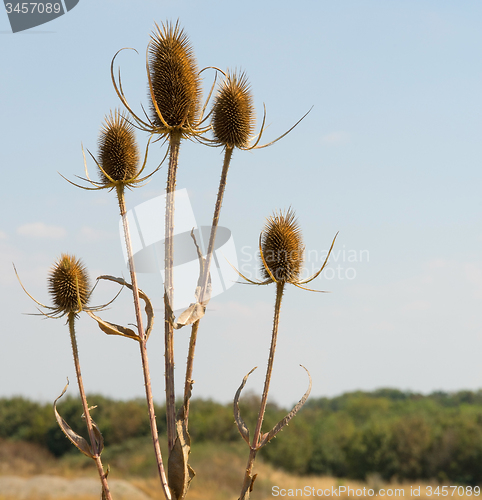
[{"x": 390, "y": 433}]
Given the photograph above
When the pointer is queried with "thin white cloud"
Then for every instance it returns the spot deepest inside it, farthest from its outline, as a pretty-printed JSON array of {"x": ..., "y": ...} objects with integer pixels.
[
  {"x": 3, "y": 236},
  {"x": 335, "y": 138},
  {"x": 92, "y": 234},
  {"x": 41, "y": 230}
]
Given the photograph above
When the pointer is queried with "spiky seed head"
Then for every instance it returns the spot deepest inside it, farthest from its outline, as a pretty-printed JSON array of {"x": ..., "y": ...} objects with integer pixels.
[
  {"x": 118, "y": 150},
  {"x": 233, "y": 112},
  {"x": 282, "y": 246},
  {"x": 69, "y": 284},
  {"x": 174, "y": 76}
]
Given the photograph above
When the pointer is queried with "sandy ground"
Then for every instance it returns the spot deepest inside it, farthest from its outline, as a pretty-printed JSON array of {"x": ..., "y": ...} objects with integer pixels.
[{"x": 44, "y": 487}]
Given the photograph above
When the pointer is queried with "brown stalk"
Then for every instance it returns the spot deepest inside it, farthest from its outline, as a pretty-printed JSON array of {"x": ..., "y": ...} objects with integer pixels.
[
  {"x": 142, "y": 345},
  {"x": 174, "y": 144},
  {"x": 85, "y": 406},
  {"x": 255, "y": 446},
  {"x": 205, "y": 277}
]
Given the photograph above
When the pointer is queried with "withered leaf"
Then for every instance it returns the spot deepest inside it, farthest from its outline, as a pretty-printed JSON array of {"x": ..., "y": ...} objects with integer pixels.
[
  {"x": 196, "y": 310},
  {"x": 279, "y": 426},
  {"x": 148, "y": 307},
  {"x": 243, "y": 429},
  {"x": 113, "y": 329},
  {"x": 78, "y": 441},
  {"x": 180, "y": 473},
  {"x": 193, "y": 313}
]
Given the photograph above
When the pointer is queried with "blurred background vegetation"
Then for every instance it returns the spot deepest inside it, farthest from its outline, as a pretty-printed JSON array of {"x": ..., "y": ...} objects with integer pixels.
[{"x": 387, "y": 433}]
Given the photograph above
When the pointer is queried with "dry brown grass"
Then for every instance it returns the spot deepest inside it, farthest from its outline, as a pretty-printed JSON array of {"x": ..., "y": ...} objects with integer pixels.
[{"x": 219, "y": 473}]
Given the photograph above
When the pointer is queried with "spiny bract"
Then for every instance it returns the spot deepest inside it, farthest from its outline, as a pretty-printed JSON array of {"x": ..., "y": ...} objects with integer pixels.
[
  {"x": 174, "y": 77},
  {"x": 282, "y": 246},
  {"x": 69, "y": 284},
  {"x": 118, "y": 151},
  {"x": 233, "y": 112}
]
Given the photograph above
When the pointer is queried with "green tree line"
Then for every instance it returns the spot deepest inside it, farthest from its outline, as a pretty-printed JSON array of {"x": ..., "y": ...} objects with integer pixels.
[{"x": 395, "y": 434}]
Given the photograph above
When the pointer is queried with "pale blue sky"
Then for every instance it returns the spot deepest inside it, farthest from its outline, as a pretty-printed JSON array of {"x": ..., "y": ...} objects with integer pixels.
[{"x": 389, "y": 156}]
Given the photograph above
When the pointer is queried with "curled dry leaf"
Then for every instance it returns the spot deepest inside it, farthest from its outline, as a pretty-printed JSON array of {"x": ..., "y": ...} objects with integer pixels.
[
  {"x": 243, "y": 429},
  {"x": 196, "y": 310},
  {"x": 180, "y": 473},
  {"x": 268, "y": 436},
  {"x": 113, "y": 329},
  {"x": 78, "y": 441},
  {"x": 193, "y": 313}
]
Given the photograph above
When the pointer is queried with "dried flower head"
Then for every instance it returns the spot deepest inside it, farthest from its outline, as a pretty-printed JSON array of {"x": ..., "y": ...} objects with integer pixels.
[
  {"x": 233, "y": 112},
  {"x": 175, "y": 86},
  {"x": 118, "y": 162},
  {"x": 69, "y": 284},
  {"x": 282, "y": 248},
  {"x": 118, "y": 150}
]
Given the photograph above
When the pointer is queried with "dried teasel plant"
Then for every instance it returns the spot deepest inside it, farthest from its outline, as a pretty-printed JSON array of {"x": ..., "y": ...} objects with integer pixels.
[
  {"x": 233, "y": 124},
  {"x": 281, "y": 252},
  {"x": 233, "y": 121},
  {"x": 175, "y": 114},
  {"x": 175, "y": 97},
  {"x": 69, "y": 287},
  {"x": 233, "y": 115},
  {"x": 118, "y": 167},
  {"x": 119, "y": 157},
  {"x": 174, "y": 86}
]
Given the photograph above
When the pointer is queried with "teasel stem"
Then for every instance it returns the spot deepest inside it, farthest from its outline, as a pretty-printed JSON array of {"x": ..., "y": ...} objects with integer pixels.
[
  {"x": 85, "y": 406},
  {"x": 142, "y": 345},
  {"x": 174, "y": 144},
  {"x": 228, "y": 153},
  {"x": 247, "y": 483}
]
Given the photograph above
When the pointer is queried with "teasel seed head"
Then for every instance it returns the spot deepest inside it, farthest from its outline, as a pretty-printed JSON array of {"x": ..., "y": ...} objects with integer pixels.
[
  {"x": 175, "y": 80},
  {"x": 282, "y": 247},
  {"x": 69, "y": 284},
  {"x": 233, "y": 112},
  {"x": 118, "y": 150}
]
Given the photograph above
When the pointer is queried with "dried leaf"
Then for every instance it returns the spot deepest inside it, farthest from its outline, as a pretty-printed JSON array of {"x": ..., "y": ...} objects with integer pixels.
[
  {"x": 243, "y": 429},
  {"x": 193, "y": 313},
  {"x": 202, "y": 260},
  {"x": 98, "y": 446},
  {"x": 202, "y": 264},
  {"x": 196, "y": 310},
  {"x": 180, "y": 473},
  {"x": 78, "y": 441},
  {"x": 113, "y": 329},
  {"x": 148, "y": 307},
  {"x": 279, "y": 426}
]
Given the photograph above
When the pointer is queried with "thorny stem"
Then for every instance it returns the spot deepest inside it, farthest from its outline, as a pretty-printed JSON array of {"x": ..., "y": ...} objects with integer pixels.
[
  {"x": 205, "y": 277},
  {"x": 142, "y": 344},
  {"x": 247, "y": 483},
  {"x": 85, "y": 406},
  {"x": 174, "y": 143}
]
